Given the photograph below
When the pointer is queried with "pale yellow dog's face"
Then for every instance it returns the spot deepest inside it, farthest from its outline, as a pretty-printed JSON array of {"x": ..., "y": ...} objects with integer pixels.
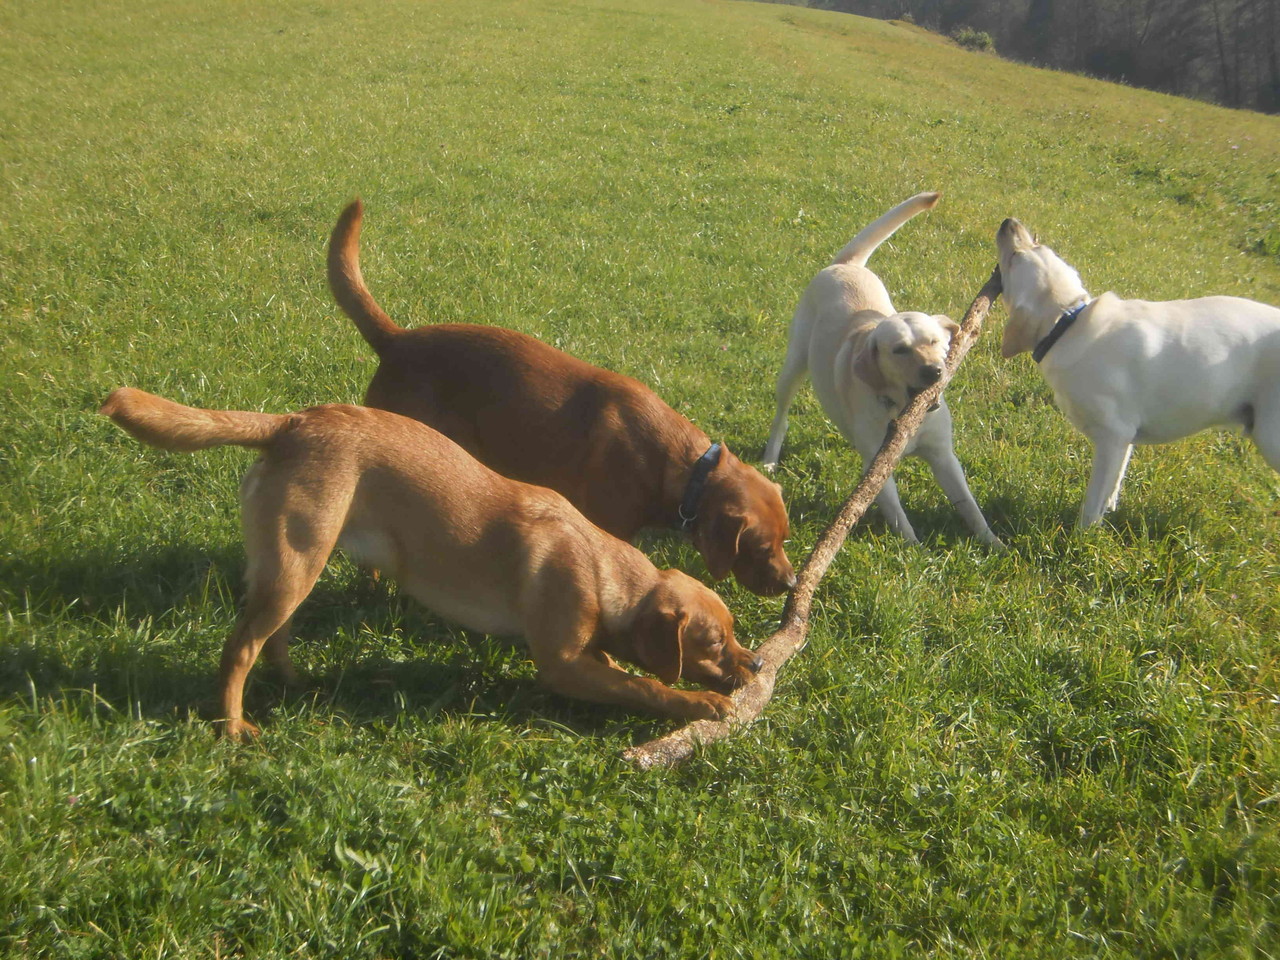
[{"x": 906, "y": 352}]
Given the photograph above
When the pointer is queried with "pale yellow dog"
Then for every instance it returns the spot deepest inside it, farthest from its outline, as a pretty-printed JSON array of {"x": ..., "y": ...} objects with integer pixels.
[{"x": 866, "y": 361}]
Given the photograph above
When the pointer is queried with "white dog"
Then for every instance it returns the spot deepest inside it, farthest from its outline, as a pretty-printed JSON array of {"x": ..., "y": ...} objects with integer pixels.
[
  {"x": 1133, "y": 371},
  {"x": 867, "y": 362}
]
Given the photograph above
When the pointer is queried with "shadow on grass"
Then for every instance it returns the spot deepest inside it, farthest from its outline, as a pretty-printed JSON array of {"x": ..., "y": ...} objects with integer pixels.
[
  {"x": 1051, "y": 533},
  {"x": 935, "y": 524},
  {"x": 376, "y": 689},
  {"x": 135, "y": 607},
  {"x": 87, "y": 622},
  {"x": 108, "y": 579}
]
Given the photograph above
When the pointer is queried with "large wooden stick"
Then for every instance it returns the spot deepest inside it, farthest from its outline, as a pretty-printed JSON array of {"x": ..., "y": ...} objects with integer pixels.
[{"x": 749, "y": 701}]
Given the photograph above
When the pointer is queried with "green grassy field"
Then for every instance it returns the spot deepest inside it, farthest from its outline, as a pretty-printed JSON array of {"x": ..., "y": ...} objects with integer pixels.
[{"x": 1065, "y": 750}]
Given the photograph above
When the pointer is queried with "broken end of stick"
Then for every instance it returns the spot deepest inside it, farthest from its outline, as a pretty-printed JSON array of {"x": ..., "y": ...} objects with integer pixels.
[
  {"x": 679, "y": 745},
  {"x": 664, "y": 752}
]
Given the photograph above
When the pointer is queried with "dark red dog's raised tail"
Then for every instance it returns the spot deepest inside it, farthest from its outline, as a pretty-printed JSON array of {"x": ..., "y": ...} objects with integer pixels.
[{"x": 347, "y": 283}]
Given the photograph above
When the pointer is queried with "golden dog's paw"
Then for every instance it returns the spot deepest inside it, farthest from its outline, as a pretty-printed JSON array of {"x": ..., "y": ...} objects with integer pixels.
[
  {"x": 708, "y": 705},
  {"x": 237, "y": 731}
]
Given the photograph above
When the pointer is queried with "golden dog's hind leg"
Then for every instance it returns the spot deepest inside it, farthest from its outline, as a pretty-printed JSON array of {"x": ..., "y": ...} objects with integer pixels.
[
  {"x": 276, "y": 651},
  {"x": 289, "y": 534},
  {"x": 238, "y": 656},
  {"x": 274, "y": 594}
]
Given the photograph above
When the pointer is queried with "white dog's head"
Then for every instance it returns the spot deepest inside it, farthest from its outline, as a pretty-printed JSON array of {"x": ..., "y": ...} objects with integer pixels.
[
  {"x": 904, "y": 354},
  {"x": 1038, "y": 287}
]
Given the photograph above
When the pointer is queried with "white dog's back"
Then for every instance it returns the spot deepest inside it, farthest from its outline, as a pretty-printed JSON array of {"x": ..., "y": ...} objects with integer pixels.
[{"x": 1188, "y": 365}]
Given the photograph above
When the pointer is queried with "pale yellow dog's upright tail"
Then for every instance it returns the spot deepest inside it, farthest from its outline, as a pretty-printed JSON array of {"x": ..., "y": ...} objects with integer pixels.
[{"x": 858, "y": 250}]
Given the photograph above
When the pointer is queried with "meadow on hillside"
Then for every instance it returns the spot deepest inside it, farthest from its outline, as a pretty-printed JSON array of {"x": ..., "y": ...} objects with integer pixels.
[{"x": 1068, "y": 749}]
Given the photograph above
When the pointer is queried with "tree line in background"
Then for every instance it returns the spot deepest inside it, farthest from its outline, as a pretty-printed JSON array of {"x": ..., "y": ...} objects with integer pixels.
[{"x": 1222, "y": 50}]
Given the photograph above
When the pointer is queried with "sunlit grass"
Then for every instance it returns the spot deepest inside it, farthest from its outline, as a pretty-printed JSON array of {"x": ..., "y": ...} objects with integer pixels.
[{"x": 1068, "y": 749}]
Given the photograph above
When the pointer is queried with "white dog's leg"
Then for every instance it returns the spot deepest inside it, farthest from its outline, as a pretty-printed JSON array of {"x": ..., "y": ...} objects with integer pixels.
[
  {"x": 1110, "y": 457},
  {"x": 1113, "y": 501},
  {"x": 1265, "y": 429},
  {"x": 866, "y": 440},
  {"x": 891, "y": 507},
  {"x": 950, "y": 476},
  {"x": 789, "y": 378}
]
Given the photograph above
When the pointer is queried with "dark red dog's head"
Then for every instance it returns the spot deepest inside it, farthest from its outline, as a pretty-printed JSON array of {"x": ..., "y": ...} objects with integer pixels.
[{"x": 741, "y": 527}]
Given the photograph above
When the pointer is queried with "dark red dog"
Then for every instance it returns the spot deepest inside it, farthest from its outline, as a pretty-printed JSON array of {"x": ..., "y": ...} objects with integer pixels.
[{"x": 604, "y": 441}]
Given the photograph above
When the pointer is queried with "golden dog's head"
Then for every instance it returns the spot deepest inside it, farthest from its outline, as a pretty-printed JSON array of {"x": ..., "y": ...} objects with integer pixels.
[
  {"x": 1038, "y": 286},
  {"x": 683, "y": 629},
  {"x": 904, "y": 354},
  {"x": 742, "y": 527}
]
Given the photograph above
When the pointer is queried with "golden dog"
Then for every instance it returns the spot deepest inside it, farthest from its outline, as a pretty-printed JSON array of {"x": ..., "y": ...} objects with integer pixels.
[{"x": 491, "y": 553}]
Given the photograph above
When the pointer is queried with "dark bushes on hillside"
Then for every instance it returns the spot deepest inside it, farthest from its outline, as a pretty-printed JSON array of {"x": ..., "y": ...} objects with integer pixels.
[
  {"x": 1225, "y": 50},
  {"x": 972, "y": 39}
]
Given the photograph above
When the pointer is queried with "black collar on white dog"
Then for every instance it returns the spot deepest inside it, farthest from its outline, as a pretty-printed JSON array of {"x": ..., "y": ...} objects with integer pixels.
[
  {"x": 688, "y": 508},
  {"x": 1062, "y": 325}
]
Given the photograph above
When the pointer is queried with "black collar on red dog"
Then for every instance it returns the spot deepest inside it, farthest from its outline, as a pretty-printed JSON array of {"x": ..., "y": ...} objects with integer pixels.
[
  {"x": 688, "y": 508},
  {"x": 1062, "y": 325}
]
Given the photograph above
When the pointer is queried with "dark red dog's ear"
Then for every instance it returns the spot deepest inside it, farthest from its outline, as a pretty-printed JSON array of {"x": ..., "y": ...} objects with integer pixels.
[
  {"x": 659, "y": 641},
  {"x": 717, "y": 538}
]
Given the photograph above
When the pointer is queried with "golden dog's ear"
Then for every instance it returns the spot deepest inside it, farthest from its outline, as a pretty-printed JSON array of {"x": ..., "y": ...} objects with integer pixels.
[
  {"x": 867, "y": 367},
  {"x": 659, "y": 641},
  {"x": 947, "y": 323},
  {"x": 717, "y": 539}
]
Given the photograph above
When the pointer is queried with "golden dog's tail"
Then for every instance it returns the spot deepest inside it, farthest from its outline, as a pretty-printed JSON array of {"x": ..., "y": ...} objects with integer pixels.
[
  {"x": 347, "y": 283},
  {"x": 171, "y": 426},
  {"x": 859, "y": 249}
]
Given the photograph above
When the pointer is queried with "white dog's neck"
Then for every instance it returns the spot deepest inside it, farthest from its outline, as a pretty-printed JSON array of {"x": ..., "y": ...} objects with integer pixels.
[
  {"x": 1080, "y": 300},
  {"x": 1058, "y": 328},
  {"x": 1063, "y": 299}
]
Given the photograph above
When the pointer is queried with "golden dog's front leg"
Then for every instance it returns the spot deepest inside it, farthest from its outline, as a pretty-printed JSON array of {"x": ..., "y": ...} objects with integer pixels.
[{"x": 588, "y": 678}]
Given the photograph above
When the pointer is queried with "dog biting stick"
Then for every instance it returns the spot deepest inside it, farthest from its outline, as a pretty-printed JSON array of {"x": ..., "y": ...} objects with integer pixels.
[{"x": 791, "y": 635}]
